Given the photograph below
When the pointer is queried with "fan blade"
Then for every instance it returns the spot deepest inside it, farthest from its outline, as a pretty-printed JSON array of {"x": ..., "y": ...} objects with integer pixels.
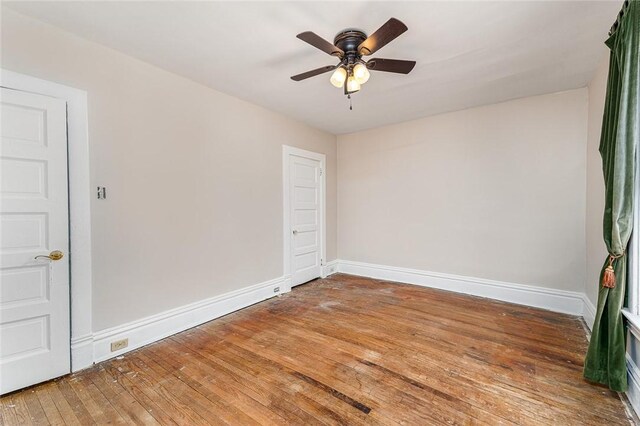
[
  {"x": 386, "y": 33},
  {"x": 320, "y": 43},
  {"x": 391, "y": 65},
  {"x": 313, "y": 73}
]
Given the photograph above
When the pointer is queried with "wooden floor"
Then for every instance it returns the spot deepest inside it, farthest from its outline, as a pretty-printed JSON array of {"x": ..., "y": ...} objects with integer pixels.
[{"x": 343, "y": 350}]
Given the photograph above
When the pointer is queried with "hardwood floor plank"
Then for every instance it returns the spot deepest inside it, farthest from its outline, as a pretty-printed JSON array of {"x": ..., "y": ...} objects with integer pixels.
[
  {"x": 337, "y": 405},
  {"x": 9, "y": 415},
  {"x": 38, "y": 416},
  {"x": 303, "y": 395},
  {"x": 274, "y": 397},
  {"x": 235, "y": 407},
  {"x": 62, "y": 404},
  {"x": 339, "y": 368},
  {"x": 343, "y": 350},
  {"x": 170, "y": 384},
  {"x": 372, "y": 379},
  {"x": 140, "y": 394},
  {"x": 215, "y": 383},
  {"x": 166, "y": 387},
  {"x": 102, "y": 412},
  {"x": 22, "y": 410},
  {"x": 125, "y": 403},
  {"x": 51, "y": 411},
  {"x": 79, "y": 410},
  {"x": 359, "y": 327}
]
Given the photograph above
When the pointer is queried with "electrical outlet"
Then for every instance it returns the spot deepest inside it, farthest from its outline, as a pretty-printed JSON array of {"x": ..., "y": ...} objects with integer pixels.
[{"x": 119, "y": 344}]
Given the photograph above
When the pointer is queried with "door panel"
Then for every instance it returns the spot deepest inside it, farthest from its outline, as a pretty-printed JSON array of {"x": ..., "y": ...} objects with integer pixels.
[
  {"x": 304, "y": 192},
  {"x": 23, "y": 178},
  {"x": 24, "y": 285},
  {"x": 34, "y": 220}
]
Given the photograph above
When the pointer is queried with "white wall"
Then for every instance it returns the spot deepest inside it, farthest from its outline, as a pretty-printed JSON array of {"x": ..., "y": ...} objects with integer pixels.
[
  {"x": 596, "y": 249},
  {"x": 193, "y": 176},
  {"x": 495, "y": 192}
]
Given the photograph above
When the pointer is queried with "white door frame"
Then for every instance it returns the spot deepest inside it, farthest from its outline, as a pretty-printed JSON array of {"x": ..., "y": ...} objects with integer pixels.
[
  {"x": 79, "y": 207},
  {"x": 286, "y": 228}
]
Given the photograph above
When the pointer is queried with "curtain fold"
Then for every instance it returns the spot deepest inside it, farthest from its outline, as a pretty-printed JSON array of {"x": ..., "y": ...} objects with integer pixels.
[{"x": 605, "y": 361}]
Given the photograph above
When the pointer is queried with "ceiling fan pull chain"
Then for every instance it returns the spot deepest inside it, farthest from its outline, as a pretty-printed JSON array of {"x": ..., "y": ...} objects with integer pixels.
[{"x": 350, "y": 104}]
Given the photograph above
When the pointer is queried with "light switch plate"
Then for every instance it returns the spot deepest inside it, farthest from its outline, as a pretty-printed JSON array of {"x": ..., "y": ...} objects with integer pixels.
[{"x": 102, "y": 193}]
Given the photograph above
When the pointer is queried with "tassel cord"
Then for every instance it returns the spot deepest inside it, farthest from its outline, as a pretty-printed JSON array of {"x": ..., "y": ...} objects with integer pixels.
[{"x": 609, "y": 275}]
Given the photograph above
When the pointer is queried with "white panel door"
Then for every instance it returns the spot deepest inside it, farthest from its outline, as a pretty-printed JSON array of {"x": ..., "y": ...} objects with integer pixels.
[
  {"x": 34, "y": 221},
  {"x": 304, "y": 196}
]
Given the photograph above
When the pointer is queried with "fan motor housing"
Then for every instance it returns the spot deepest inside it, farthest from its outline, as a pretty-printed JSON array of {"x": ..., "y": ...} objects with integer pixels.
[{"x": 349, "y": 40}]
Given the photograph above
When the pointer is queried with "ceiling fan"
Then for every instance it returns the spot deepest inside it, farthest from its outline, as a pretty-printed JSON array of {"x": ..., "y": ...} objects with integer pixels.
[{"x": 350, "y": 46}]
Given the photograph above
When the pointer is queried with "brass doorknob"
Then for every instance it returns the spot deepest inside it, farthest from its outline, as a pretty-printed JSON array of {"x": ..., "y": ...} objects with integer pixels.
[{"x": 54, "y": 255}]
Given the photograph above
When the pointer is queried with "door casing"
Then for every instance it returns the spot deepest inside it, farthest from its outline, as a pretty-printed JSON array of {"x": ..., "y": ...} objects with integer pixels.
[{"x": 288, "y": 151}]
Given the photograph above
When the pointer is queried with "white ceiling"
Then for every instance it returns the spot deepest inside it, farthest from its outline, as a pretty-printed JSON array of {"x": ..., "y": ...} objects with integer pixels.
[{"x": 467, "y": 53}]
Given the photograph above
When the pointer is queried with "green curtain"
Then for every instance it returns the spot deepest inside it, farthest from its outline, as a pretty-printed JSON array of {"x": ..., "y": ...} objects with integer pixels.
[{"x": 605, "y": 360}]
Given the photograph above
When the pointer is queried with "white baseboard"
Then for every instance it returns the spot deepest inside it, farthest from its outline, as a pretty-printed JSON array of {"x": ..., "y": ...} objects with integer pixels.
[
  {"x": 633, "y": 379},
  {"x": 81, "y": 352},
  {"x": 589, "y": 312},
  {"x": 633, "y": 373},
  {"x": 96, "y": 348},
  {"x": 568, "y": 302},
  {"x": 330, "y": 268}
]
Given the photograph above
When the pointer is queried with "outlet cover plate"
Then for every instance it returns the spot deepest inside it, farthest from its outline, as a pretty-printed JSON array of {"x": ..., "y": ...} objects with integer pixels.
[{"x": 119, "y": 344}]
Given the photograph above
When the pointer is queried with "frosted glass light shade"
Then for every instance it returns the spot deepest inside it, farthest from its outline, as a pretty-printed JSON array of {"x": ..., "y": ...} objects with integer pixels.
[
  {"x": 338, "y": 77},
  {"x": 352, "y": 84},
  {"x": 361, "y": 73}
]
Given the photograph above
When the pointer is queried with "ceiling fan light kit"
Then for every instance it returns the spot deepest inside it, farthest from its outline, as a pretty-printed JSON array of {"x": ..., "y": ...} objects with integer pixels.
[
  {"x": 353, "y": 85},
  {"x": 338, "y": 77},
  {"x": 350, "y": 46},
  {"x": 361, "y": 73}
]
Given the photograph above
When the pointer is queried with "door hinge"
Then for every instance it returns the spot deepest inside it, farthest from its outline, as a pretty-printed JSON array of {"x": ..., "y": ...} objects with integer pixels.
[{"x": 320, "y": 172}]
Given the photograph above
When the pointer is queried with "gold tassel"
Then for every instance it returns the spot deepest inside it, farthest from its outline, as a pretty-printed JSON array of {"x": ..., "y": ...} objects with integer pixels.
[{"x": 609, "y": 275}]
